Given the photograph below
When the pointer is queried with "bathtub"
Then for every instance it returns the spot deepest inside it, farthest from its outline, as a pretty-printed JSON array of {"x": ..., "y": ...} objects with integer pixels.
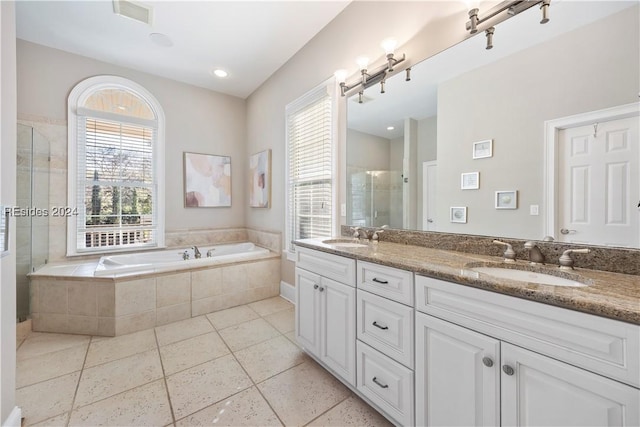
[{"x": 172, "y": 259}]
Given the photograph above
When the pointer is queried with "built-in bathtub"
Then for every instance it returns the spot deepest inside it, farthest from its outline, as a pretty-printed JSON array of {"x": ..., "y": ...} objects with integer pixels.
[
  {"x": 124, "y": 293},
  {"x": 176, "y": 259}
]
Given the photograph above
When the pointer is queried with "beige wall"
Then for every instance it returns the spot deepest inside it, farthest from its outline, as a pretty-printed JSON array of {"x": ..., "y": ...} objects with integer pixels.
[
  {"x": 367, "y": 151},
  {"x": 8, "y": 131},
  {"x": 197, "y": 120},
  {"x": 427, "y": 142},
  {"x": 570, "y": 84},
  {"x": 358, "y": 30}
]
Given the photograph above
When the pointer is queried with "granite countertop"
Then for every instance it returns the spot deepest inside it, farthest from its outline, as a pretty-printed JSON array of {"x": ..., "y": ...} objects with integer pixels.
[{"x": 612, "y": 295}]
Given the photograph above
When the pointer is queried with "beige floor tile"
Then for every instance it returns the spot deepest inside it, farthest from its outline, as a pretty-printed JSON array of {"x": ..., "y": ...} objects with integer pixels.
[
  {"x": 247, "y": 408},
  {"x": 178, "y": 331},
  {"x": 232, "y": 316},
  {"x": 269, "y": 358},
  {"x": 248, "y": 333},
  {"x": 102, "y": 381},
  {"x": 108, "y": 349},
  {"x": 352, "y": 412},
  {"x": 292, "y": 337},
  {"x": 283, "y": 321},
  {"x": 50, "y": 365},
  {"x": 147, "y": 405},
  {"x": 194, "y": 351},
  {"x": 59, "y": 421},
  {"x": 205, "y": 384},
  {"x": 47, "y": 399},
  {"x": 303, "y": 393},
  {"x": 39, "y": 343},
  {"x": 270, "y": 305}
]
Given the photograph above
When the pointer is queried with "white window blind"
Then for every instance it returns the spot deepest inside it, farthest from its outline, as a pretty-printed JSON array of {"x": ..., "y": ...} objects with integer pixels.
[
  {"x": 116, "y": 184},
  {"x": 310, "y": 166}
]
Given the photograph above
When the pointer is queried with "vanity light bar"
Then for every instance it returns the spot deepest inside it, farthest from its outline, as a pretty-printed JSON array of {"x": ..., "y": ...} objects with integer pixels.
[{"x": 501, "y": 12}]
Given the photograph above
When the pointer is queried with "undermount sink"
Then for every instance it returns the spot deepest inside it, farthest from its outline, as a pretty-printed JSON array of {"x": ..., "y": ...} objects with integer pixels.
[
  {"x": 528, "y": 276},
  {"x": 341, "y": 243}
]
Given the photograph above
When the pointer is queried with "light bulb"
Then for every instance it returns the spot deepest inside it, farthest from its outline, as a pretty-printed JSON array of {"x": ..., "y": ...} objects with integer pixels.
[
  {"x": 389, "y": 45},
  {"x": 472, "y": 4},
  {"x": 341, "y": 75},
  {"x": 362, "y": 62},
  {"x": 219, "y": 73}
]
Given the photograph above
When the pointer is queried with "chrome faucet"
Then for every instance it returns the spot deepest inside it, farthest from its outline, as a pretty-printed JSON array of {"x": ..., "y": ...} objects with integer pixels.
[
  {"x": 359, "y": 233},
  {"x": 376, "y": 234},
  {"x": 196, "y": 252},
  {"x": 509, "y": 254},
  {"x": 210, "y": 253},
  {"x": 566, "y": 262},
  {"x": 185, "y": 255},
  {"x": 535, "y": 255}
]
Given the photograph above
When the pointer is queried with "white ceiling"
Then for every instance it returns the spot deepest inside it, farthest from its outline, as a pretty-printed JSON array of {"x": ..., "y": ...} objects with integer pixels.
[{"x": 248, "y": 39}]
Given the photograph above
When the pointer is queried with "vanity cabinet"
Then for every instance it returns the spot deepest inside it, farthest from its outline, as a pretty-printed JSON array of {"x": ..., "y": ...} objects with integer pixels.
[
  {"x": 325, "y": 311},
  {"x": 488, "y": 359}
]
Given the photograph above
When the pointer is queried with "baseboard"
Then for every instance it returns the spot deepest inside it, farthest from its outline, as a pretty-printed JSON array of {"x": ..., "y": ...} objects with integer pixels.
[
  {"x": 14, "y": 419},
  {"x": 288, "y": 292}
]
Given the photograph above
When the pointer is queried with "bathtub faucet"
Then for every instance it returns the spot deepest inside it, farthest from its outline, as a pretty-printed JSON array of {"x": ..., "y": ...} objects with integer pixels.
[
  {"x": 210, "y": 253},
  {"x": 185, "y": 255},
  {"x": 196, "y": 252}
]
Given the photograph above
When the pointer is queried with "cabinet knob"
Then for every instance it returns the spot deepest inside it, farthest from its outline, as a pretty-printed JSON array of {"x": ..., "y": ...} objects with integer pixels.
[
  {"x": 508, "y": 369},
  {"x": 315, "y": 286},
  {"x": 321, "y": 289},
  {"x": 487, "y": 362}
]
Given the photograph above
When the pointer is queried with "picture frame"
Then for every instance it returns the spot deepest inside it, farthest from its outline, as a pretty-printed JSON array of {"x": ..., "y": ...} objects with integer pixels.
[
  {"x": 260, "y": 179},
  {"x": 483, "y": 149},
  {"x": 507, "y": 199},
  {"x": 470, "y": 181},
  {"x": 207, "y": 180},
  {"x": 458, "y": 214}
]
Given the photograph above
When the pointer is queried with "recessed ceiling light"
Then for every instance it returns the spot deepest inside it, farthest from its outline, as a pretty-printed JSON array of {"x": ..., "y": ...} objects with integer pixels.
[
  {"x": 219, "y": 73},
  {"x": 161, "y": 39},
  {"x": 390, "y": 128}
]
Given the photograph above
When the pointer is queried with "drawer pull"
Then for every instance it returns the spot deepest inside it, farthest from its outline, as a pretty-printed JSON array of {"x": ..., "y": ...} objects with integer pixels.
[
  {"x": 315, "y": 286},
  {"x": 375, "y": 380},
  {"x": 375, "y": 323},
  {"x": 508, "y": 370},
  {"x": 487, "y": 362},
  {"x": 384, "y": 282}
]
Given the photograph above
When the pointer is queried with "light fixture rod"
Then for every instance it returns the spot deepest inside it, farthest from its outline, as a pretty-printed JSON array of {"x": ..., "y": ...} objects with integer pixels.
[
  {"x": 369, "y": 78},
  {"x": 503, "y": 11}
]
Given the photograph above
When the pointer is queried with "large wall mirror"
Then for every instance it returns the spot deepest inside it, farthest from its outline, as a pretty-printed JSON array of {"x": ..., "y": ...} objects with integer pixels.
[{"x": 537, "y": 136}]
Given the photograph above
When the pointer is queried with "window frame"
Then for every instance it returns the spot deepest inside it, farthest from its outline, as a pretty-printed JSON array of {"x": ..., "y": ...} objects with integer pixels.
[
  {"x": 76, "y": 100},
  {"x": 331, "y": 88}
]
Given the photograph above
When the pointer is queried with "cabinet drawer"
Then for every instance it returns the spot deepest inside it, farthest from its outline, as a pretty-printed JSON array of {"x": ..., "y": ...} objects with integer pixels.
[
  {"x": 387, "y": 282},
  {"x": 605, "y": 346},
  {"x": 386, "y": 326},
  {"x": 387, "y": 383},
  {"x": 334, "y": 267}
]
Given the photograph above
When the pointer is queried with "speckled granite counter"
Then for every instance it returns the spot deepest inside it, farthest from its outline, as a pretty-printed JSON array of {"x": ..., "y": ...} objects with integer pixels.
[{"x": 612, "y": 295}]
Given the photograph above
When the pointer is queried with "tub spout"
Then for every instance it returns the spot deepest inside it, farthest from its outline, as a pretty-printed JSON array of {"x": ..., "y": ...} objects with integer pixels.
[
  {"x": 210, "y": 253},
  {"x": 196, "y": 252}
]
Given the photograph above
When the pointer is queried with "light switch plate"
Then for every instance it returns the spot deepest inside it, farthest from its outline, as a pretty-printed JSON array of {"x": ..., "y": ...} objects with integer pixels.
[
  {"x": 343, "y": 209},
  {"x": 534, "y": 210}
]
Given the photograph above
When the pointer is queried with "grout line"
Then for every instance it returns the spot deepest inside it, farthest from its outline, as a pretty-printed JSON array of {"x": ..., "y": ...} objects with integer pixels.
[
  {"x": 75, "y": 394},
  {"x": 164, "y": 378},
  {"x": 331, "y": 408}
]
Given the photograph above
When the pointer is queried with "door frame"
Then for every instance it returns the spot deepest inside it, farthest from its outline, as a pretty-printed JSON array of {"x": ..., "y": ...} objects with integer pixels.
[
  {"x": 425, "y": 201},
  {"x": 552, "y": 130}
]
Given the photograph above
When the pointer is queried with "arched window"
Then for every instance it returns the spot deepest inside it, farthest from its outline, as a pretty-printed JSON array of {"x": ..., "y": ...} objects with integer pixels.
[{"x": 116, "y": 167}]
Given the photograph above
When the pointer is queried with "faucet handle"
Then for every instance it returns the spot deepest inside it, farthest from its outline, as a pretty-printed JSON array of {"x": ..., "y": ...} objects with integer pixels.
[
  {"x": 566, "y": 262},
  {"x": 509, "y": 253},
  {"x": 376, "y": 234},
  {"x": 356, "y": 232}
]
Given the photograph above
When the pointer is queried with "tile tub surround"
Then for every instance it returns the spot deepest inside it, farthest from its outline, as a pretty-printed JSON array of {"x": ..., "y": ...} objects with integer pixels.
[
  {"x": 185, "y": 373},
  {"x": 612, "y": 295},
  {"x": 615, "y": 260},
  {"x": 75, "y": 302}
]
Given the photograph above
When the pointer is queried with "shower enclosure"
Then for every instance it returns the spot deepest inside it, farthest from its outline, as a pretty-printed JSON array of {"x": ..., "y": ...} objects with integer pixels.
[
  {"x": 32, "y": 222},
  {"x": 376, "y": 198}
]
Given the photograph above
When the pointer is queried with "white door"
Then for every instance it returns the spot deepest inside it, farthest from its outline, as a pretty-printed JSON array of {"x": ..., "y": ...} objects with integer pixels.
[
  {"x": 457, "y": 375},
  {"x": 599, "y": 184},
  {"x": 337, "y": 328},
  {"x": 307, "y": 310},
  {"x": 429, "y": 183},
  {"x": 540, "y": 391}
]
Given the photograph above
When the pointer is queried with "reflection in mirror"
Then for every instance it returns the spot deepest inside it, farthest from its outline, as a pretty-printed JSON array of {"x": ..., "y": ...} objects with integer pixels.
[{"x": 408, "y": 148}]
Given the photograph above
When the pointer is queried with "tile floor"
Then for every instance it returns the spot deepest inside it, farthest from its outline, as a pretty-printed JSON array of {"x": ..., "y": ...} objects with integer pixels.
[{"x": 236, "y": 367}]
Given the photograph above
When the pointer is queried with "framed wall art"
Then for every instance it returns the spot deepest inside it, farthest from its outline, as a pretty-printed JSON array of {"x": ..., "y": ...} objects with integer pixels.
[
  {"x": 458, "y": 214},
  {"x": 470, "y": 181},
  {"x": 483, "y": 149},
  {"x": 260, "y": 180},
  {"x": 507, "y": 199},
  {"x": 207, "y": 180}
]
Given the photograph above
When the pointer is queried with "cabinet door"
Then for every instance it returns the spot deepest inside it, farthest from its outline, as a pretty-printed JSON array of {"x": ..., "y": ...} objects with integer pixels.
[
  {"x": 457, "y": 375},
  {"x": 540, "y": 391},
  {"x": 337, "y": 328},
  {"x": 307, "y": 310}
]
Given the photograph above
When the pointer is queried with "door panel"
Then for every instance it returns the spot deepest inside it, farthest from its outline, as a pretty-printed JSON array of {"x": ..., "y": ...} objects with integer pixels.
[{"x": 307, "y": 311}]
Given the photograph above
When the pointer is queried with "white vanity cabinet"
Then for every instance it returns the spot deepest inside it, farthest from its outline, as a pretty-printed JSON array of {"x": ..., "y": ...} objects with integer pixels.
[
  {"x": 489, "y": 359},
  {"x": 325, "y": 310}
]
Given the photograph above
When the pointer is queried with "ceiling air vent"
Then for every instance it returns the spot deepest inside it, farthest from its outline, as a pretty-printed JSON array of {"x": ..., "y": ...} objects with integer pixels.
[{"x": 133, "y": 10}]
